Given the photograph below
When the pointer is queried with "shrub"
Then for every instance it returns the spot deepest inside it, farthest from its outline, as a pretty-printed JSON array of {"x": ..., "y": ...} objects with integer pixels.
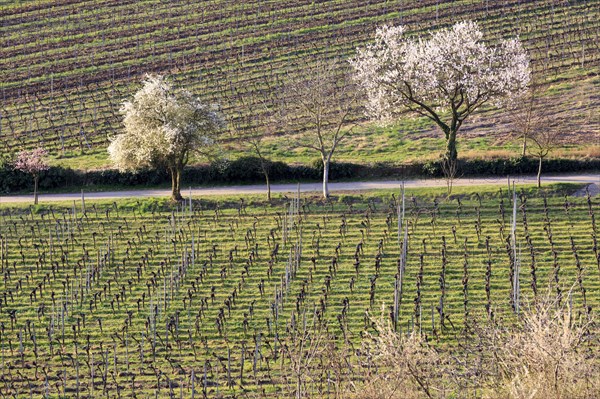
[
  {"x": 411, "y": 368},
  {"x": 548, "y": 353},
  {"x": 545, "y": 356},
  {"x": 244, "y": 169},
  {"x": 339, "y": 170}
]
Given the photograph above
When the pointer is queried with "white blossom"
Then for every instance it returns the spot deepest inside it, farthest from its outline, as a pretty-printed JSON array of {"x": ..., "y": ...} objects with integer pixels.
[
  {"x": 453, "y": 69},
  {"x": 162, "y": 126}
]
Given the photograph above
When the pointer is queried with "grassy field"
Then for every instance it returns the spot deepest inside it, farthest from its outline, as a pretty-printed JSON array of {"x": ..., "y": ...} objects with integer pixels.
[
  {"x": 143, "y": 298},
  {"x": 68, "y": 65},
  {"x": 486, "y": 136}
]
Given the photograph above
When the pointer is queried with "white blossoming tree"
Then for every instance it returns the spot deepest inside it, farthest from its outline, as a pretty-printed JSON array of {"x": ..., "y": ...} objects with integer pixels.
[
  {"x": 162, "y": 127},
  {"x": 445, "y": 77}
]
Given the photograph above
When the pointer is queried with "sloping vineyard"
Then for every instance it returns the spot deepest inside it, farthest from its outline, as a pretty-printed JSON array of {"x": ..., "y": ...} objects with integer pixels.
[
  {"x": 68, "y": 65},
  {"x": 209, "y": 300}
]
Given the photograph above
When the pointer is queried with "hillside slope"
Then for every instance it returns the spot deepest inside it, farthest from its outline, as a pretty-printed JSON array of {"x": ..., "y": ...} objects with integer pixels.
[{"x": 67, "y": 65}]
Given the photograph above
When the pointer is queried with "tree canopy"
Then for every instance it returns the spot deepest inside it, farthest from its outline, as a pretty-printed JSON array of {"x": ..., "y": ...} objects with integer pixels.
[{"x": 163, "y": 125}]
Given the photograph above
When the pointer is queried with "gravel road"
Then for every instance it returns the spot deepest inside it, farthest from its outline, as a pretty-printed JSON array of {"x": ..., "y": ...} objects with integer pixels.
[{"x": 304, "y": 187}]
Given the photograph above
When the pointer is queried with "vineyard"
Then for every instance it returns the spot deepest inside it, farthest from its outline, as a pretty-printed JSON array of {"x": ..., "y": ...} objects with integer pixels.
[
  {"x": 67, "y": 66},
  {"x": 221, "y": 298}
]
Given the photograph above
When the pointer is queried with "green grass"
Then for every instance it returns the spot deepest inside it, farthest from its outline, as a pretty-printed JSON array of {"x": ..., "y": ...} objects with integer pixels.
[
  {"x": 408, "y": 140},
  {"x": 93, "y": 160},
  {"x": 136, "y": 248},
  {"x": 370, "y": 144}
]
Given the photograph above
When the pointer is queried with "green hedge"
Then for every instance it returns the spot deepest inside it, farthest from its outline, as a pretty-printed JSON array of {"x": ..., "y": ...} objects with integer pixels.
[
  {"x": 247, "y": 170},
  {"x": 514, "y": 166}
]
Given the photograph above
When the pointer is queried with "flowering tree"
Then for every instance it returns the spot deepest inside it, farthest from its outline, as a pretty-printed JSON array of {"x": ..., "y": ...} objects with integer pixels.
[
  {"x": 445, "y": 78},
  {"x": 162, "y": 127},
  {"x": 32, "y": 162}
]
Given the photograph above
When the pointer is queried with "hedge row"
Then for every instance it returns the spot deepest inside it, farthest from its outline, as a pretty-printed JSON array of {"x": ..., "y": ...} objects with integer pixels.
[{"x": 247, "y": 170}]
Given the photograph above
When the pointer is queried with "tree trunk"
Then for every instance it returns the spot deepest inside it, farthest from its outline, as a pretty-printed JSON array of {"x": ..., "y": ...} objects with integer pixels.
[
  {"x": 36, "y": 179},
  {"x": 326, "y": 162},
  {"x": 524, "y": 153},
  {"x": 299, "y": 387},
  {"x": 175, "y": 184},
  {"x": 539, "y": 175},
  {"x": 451, "y": 153},
  {"x": 268, "y": 187},
  {"x": 265, "y": 170}
]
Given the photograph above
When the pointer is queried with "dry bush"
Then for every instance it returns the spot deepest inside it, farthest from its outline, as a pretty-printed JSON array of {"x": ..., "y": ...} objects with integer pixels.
[
  {"x": 408, "y": 366},
  {"x": 588, "y": 151},
  {"x": 315, "y": 365},
  {"x": 547, "y": 354}
]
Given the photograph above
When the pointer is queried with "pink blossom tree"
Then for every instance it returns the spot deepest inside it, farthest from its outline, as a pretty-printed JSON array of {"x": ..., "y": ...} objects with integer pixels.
[{"x": 32, "y": 162}]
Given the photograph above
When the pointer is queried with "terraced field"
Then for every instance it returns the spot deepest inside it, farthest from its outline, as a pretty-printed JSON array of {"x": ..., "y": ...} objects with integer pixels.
[
  {"x": 67, "y": 65},
  {"x": 210, "y": 299}
]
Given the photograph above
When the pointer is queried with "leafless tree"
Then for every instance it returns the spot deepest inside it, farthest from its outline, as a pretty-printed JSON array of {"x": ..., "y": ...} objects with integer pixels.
[
  {"x": 450, "y": 172},
  {"x": 320, "y": 100},
  {"x": 538, "y": 125},
  {"x": 254, "y": 116},
  {"x": 522, "y": 120}
]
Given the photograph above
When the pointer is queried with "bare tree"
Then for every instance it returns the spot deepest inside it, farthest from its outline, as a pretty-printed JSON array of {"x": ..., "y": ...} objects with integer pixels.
[
  {"x": 253, "y": 117},
  {"x": 450, "y": 172},
  {"x": 538, "y": 125},
  {"x": 544, "y": 140},
  {"x": 319, "y": 101},
  {"x": 522, "y": 120}
]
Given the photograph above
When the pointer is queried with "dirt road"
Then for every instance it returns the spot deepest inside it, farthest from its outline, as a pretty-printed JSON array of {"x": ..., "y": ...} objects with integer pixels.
[{"x": 304, "y": 187}]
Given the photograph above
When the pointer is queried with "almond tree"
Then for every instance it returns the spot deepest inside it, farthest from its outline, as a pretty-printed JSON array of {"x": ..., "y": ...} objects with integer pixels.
[
  {"x": 32, "y": 162},
  {"x": 163, "y": 125},
  {"x": 445, "y": 77}
]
